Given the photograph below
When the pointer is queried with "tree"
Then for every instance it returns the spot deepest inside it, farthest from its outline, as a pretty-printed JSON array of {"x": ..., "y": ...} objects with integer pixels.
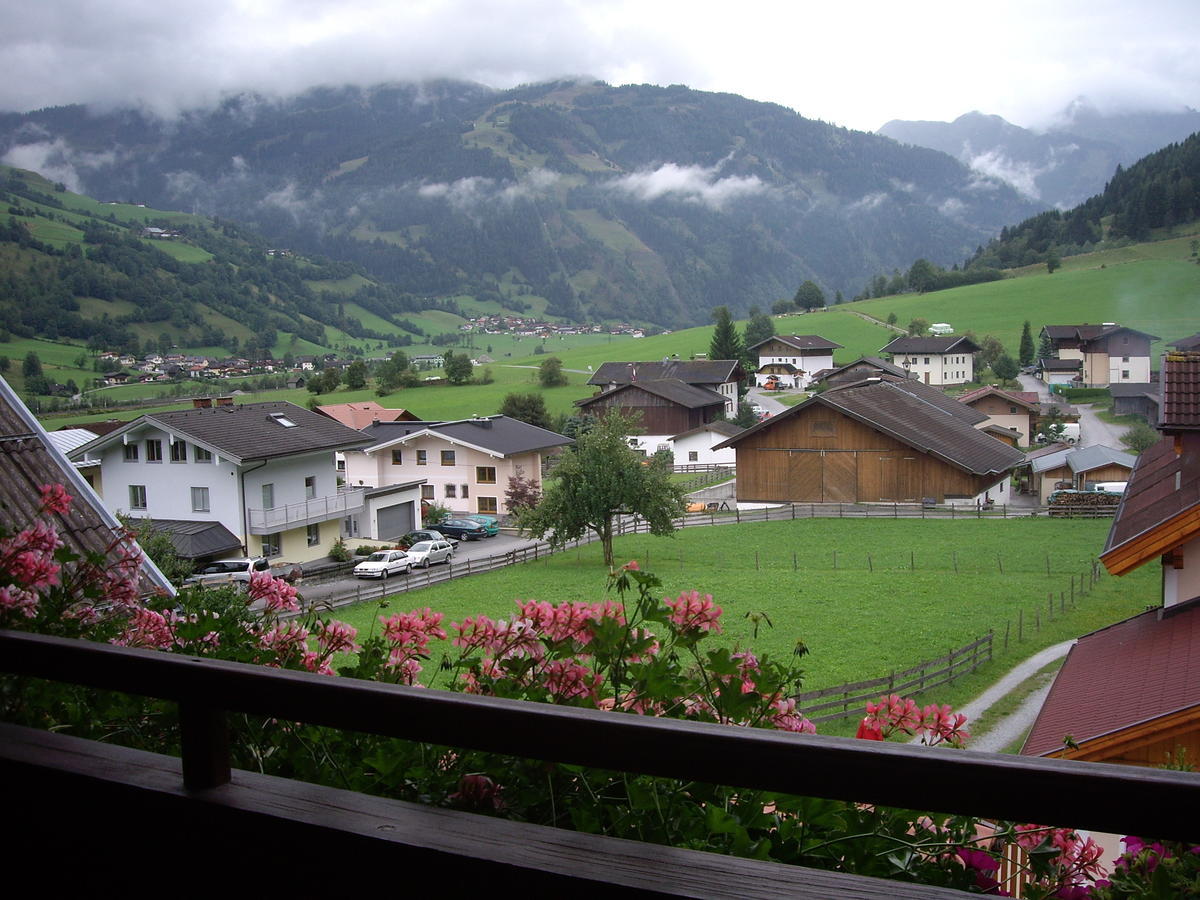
[
  {"x": 1026, "y": 352},
  {"x": 918, "y": 327},
  {"x": 598, "y": 479},
  {"x": 522, "y": 493},
  {"x": 990, "y": 350},
  {"x": 759, "y": 328},
  {"x": 745, "y": 417},
  {"x": 921, "y": 276},
  {"x": 891, "y": 318},
  {"x": 159, "y": 547},
  {"x": 530, "y": 408},
  {"x": 1005, "y": 367},
  {"x": 782, "y": 307},
  {"x": 550, "y": 373},
  {"x": 458, "y": 367},
  {"x": 1045, "y": 346},
  {"x": 809, "y": 296},
  {"x": 1140, "y": 437},
  {"x": 31, "y": 366},
  {"x": 356, "y": 375},
  {"x": 1053, "y": 262},
  {"x": 726, "y": 343}
]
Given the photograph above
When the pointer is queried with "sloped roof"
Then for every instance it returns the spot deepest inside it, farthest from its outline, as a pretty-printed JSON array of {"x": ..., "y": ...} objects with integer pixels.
[
  {"x": 672, "y": 389},
  {"x": 1181, "y": 392},
  {"x": 691, "y": 371},
  {"x": 948, "y": 344},
  {"x": 498, "y": 435},
  {"x": 1151, "y": 389},
  {"x": 1048, "y": 461},
  {"x": 911, "y": 413},
  {"x": 1028, "y": 399},
  {"x": 800, "y": 342},
  {"x": 720, "y": 427},
  {"x": 1050, "y": 364},
  {"x": 249, "y": 431},
  {"x": 1087, "y": 333},
  {"x": 1191, "y": 342},
  {"x": 194, "y": 540},
  {"x": 873, "y": 362},
  {"x": 68, "y": 440},
  {"x": 360, "y": 415},
  {"x": 29, "y": 460},
  {"x": 1135, "y": 671},
  {"x": 1085, "y": 459},
  {"x": 935, "y": 397}
]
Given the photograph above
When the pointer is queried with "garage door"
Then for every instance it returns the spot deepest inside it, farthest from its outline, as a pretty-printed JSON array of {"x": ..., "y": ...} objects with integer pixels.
[{"x": 395, "y": 521}]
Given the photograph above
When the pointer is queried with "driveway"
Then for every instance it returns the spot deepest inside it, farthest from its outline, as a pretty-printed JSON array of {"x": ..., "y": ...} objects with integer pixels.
[
  {"x": 1094, "y": 429},
  {"x": 766, "y": 399}
]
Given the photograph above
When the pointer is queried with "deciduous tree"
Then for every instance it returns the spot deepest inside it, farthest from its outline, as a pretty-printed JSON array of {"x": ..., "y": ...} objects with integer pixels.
[
  {"x": 550, "y": 373},
  {"x": 458, "y": 367},
  {"x": 529, "y": 408},
  {"x": 809, "y": 296}
]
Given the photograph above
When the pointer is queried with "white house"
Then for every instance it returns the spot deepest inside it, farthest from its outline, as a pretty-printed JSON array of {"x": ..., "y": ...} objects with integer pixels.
[
  {"x": 263, "y": 472},
  {"x": 463, "y": 465},
  {"x": 695, "y": 447},
  {"x": 792, "y": 360},
  {"x": 938, "y": 361}
]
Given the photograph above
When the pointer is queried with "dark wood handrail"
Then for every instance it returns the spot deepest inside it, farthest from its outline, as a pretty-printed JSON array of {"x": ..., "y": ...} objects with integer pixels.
[{"x": 1095, "y": 796}]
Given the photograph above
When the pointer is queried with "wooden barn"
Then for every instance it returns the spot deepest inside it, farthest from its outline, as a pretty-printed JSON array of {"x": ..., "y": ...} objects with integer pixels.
[
  {"x": 871, "y": 442},
  {"x": 665, "y": 406}
]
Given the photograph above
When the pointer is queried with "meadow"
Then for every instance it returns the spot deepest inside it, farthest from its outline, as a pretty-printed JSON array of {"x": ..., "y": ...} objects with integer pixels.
[{"x": 865, "y": 597}]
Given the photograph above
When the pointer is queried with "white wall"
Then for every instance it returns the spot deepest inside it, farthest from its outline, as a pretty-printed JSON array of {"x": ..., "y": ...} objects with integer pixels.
[
  {"x": 701, "y": 445},
  {"x": 1183, "y": 584}
]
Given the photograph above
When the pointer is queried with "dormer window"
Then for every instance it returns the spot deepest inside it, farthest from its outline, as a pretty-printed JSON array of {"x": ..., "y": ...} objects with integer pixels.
[{"x": 282, "y": 419}]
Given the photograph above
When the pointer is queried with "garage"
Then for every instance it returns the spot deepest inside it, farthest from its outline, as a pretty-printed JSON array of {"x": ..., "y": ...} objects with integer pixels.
[
  {"x": 395, "y": 521},
  {"x": 393, "y": 511}
]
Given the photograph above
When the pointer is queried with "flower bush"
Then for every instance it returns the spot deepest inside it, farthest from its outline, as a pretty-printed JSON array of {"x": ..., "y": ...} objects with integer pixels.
[{"x": 634, "y": 652}]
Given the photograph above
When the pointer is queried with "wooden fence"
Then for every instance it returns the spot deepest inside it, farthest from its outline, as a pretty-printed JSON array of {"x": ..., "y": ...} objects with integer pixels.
[{"x": 852, "y": 697}]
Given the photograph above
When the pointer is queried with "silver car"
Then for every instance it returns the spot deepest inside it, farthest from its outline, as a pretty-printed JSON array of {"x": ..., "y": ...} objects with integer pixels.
[
  {"x": 383, "y": 563},
  {"x": 423, "y": 553}
]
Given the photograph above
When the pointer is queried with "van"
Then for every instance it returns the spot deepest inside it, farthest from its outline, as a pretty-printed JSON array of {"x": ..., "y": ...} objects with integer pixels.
[{"x": 1071, "y": 434}]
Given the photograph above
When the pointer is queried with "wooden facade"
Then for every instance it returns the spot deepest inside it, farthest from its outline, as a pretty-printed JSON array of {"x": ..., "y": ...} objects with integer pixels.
[
  {"x": 1152, "y": 743},
  {"x": 659, "y": 415},
  {"x": 820, "y": 455}
]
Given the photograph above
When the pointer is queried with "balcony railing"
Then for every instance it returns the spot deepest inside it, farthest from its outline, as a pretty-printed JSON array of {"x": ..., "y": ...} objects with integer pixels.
[
  {"x": 308, "y": 512},
  {"x": 56, "y": 779}
]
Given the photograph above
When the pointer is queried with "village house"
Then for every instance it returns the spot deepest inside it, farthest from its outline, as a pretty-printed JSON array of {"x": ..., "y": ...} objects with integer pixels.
[
  {"x": 1106, "y": 354},
  {"x": 1013, "y": 410},
  {"x": 695, "y": 446},
  {"x": 792, "y": 360},
  {"x": 1130, "y": 693},
  {"x": 464, "y": 465},
  {"x": 260, "y": 475},
  {"x": 862, "y": 368},
  {"x": 938, "y": 361},
  {"x": 661, "y": 409},
  {"x": 1072, "y": 468},
  {"x": 875, "y": 441},
  {"x": 721, "y": 376},
  {"x": 1137, "y": 399}
]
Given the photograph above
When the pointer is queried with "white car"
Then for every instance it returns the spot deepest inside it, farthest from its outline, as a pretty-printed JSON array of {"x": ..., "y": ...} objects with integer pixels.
[
  {"x": 383, "y": 563},
  {"x": 229, "y": 571},
  {"x": 423, "y": 553}
]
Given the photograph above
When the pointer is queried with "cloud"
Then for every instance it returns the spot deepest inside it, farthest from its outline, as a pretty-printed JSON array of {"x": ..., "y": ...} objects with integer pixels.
[
  {"x": 695, "y": 184},
  {"x": 57, "y": 161},
  {"x": 868, "y": 202},
  {"x": 1021, "y": 175},
  {"x": 469, "y": 194}
]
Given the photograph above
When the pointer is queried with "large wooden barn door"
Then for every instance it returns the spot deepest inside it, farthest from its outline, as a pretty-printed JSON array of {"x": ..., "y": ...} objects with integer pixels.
[
  {"x": 840, "y": 476},
  {"x": 804, "y": 476}
]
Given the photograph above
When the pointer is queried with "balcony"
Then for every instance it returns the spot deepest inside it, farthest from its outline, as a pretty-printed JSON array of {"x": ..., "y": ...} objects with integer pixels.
[{"x": 309, "y": 512}]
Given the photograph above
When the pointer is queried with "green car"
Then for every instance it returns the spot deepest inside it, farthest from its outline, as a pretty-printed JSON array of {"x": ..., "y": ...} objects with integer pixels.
[{"x": 491, "y": 523}]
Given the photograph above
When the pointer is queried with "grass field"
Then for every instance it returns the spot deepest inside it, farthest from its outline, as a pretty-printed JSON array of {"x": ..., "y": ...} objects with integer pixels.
[{"x": 860, "y": 619}]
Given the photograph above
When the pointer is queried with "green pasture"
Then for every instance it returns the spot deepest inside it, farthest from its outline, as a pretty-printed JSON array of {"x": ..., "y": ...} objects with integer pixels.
[{"x": 865, "y": 596}]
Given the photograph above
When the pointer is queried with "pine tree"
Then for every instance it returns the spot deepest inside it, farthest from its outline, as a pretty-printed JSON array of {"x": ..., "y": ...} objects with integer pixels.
[
  {"x": 1026, "y": 351},
  {"x": 726, "y": 342}
]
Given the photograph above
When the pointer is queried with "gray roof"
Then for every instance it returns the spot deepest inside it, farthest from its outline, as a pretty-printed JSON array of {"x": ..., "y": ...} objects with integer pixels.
[
  {"x": 1060, "y": 365},
  {"x": 500, "y": 435},
  {"x": 691, "y": 371},
  {"x": 720, "y": 427},
  {"x": 1136, "y": 389},
  {"x": 1082, "y": 459},
  {"x": 873, "y": 362},
  {"x": 29, "y": 460},
  {"x": 680, "y": 392},
  {"x": 196, "y": 540},
  {"x": 936, "y": 397},
  {"x": 248, "y": 431},
  {"x": 801, "y": 342},
  {"x": 949, "y": 344},
  {"x": 913, "y": 417}
]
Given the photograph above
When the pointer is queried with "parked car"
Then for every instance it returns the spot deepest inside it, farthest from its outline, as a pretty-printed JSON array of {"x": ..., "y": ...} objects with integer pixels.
[
  {"x": 229, "y": 571},
  {"x": 424, "y": 553},
  {"x": 1071, "y": 434},
  {"x": 462, "y": 528},
  {"x": 383, "y": 563},
  {"x": 491, "y": 523},
  {"x": 424, "y": 534}
]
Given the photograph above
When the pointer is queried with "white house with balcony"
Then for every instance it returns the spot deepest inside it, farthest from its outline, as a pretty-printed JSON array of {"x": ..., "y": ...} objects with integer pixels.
[{"x": 261, "y": 475}]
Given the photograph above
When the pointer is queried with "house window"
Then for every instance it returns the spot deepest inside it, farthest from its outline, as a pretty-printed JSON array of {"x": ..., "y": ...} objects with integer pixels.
[
  {"x": 397, "y": 456},
  {"x": 486, "y": 505},
  {"x": 447, "y": 457},
  {"x": 693, "y": 456},
  {"x": 310, "y": 487},
  {"x": 272, "y": 544},
  {"x": 154, "y": 451},
  {"x": 314, "y": 535},
  {"x": 200, "y": 455},
  {"x": 200, "y": 499},
  {"x": 927, "y": 360},
  {"x": 451, "y": 491},
  {"x": 485, "y": 474},
  {"x": 422, "y": 457},
  {"x": 463, "y": 493},
  {"x": 268, "y": 496},
  {"x": 1124, "y": 359},
  {"x": 131, "y": 453},
  {"x": 1124, "y": 374},
  {"x": 179, "y": 452},
  {"x": 137, "y": 496},
  {"x": 1012, "y": 410},
  {"x": 427, "y": 492}
]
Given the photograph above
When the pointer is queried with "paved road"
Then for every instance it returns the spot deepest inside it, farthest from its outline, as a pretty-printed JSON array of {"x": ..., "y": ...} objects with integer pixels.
[
  {"x": 765, "y": 399},
  {"x": 1094, "y": 429}
]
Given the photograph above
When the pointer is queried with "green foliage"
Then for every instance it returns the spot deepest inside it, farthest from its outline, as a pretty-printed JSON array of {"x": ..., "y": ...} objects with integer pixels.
[
  {"x": 891, "y": 318},
  {"x": 551, "y": 374},
  {"x": 1140, "y": 437},
  {"x": 1005, "y": 367},
  {"x": 596, "y": 480},
  {"x": 433, "y": 514},
  {"x": 759, "y": 328},
  {"x": 809, "y": 296},
  {"x": 1026, "y": 351},
  {"x": 458, "y": 367},
  {"x": 917, "y": 327},
  {"x": 990, "y": 350},
  {"x": 725, "y": 343},
  {"x": 158, "y": 546},
  {"x": 744, "y": 417},
  {"x": 529, "y": 407},
  {"x": 339, "y": 552},
  {"x": 356, "y": 375}
]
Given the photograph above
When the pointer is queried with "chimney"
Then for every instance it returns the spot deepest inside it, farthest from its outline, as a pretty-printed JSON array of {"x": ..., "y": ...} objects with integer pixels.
[
  {"x": 224, "y": 401},
  {"x": 201, "y": 402}
]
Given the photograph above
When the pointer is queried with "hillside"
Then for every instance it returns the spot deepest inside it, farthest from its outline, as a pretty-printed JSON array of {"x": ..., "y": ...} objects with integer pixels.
[{"x": 575, "y": 200}]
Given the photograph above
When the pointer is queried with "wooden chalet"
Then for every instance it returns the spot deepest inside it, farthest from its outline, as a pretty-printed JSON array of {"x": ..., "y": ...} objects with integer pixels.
[
  {"x": 664, "y": 407},
  {"x": 862, "y": 368},
  {"x": 792, "y": 360},
  {"x": 898, "y": 441},
  {"x": 721, "y": 376},
  {"x": 1013, "y": 410}
]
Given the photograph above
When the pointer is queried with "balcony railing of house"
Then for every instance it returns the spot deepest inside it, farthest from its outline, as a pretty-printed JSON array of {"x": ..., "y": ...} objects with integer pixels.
[
  {"x": 307, "y": 512},
  {"x": 203, "y": 813}
]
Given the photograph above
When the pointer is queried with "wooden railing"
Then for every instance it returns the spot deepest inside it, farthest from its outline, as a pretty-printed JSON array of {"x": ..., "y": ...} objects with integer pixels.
[
  {"x": 1095, "y": 796},
  {"x": 932, "y": 673}
]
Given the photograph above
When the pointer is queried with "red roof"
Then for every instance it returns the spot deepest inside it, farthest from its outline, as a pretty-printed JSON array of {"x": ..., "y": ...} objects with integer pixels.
[
  {"x": 359, "y": 415},
  {"x": 1181, "y": 392},
  {"x": 1131, "y": 672},
  {"x": 1029, "y": 398}
]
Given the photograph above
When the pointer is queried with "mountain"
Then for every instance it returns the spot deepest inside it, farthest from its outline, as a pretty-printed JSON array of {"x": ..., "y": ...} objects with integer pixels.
[
  {"x": 1061, "y": 166},
  {"x": 579, "y": 200}
]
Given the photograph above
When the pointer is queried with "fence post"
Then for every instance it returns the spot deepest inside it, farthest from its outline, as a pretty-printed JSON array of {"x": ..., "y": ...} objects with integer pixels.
[
  {"x": 870, "y": 564},
  {"x": 1007, "y": 627},
  {"x": 1020, "y": 624},
  {"x": 204, "y": 739},
  {"x": 955, "y": 553}
]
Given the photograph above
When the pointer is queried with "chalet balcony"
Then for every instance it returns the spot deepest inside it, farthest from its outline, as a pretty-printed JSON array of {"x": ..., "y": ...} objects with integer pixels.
[{"x": 309, "y": 512}]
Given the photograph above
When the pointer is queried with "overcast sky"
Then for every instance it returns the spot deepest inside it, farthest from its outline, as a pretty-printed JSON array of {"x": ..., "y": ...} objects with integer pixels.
[{"x": 856, "y": 64}]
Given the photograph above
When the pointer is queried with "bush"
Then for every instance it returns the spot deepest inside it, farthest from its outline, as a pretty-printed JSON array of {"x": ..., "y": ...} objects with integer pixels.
[{"x": 338, "y": 552}]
